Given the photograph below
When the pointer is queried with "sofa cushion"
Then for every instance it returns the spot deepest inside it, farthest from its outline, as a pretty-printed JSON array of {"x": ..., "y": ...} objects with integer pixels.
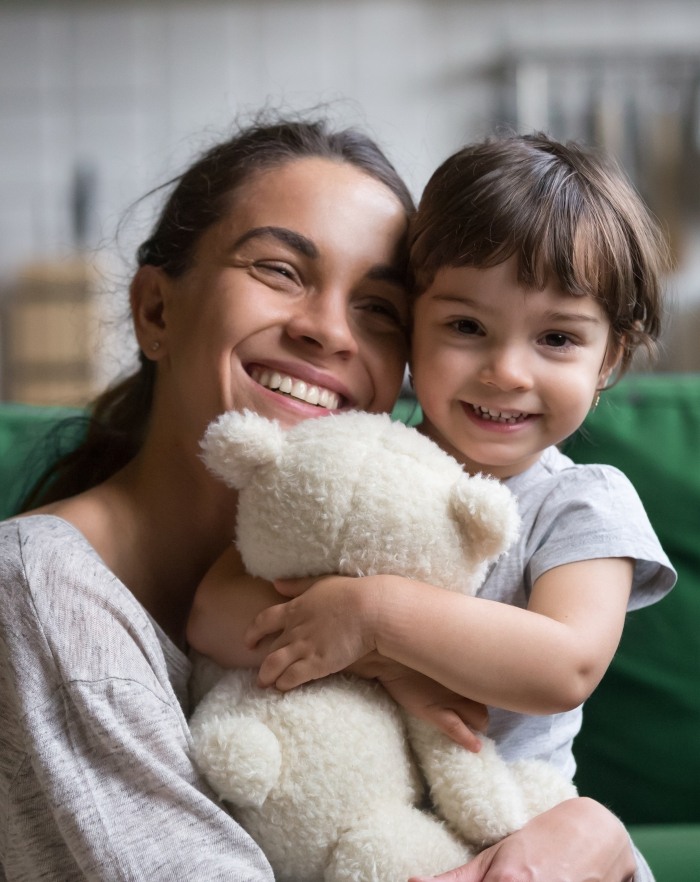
[
  {"x": 29, "y": 440},
  {"x": 639, "y": 749}
]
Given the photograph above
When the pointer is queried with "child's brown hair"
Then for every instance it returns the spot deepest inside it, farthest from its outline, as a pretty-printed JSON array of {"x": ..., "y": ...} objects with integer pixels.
[{"x": 569, "y": 214}]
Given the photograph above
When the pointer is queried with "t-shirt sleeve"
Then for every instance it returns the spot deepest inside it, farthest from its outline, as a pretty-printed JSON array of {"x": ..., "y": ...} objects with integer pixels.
[{"x": 594, "y": 512}]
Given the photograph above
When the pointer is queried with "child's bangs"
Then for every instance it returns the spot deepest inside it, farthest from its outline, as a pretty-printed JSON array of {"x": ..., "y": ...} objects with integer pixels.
[{"x": 572, "y": 245}]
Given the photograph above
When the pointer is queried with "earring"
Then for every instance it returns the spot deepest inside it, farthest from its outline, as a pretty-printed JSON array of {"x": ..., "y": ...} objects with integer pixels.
[
  {"x": 596, "y": 401},
  {"x": 155, "y": 346}
]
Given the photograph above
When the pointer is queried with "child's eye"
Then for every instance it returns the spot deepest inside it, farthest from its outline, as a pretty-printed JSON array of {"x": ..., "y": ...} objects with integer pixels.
[
  {"x": 557, "y": 340},
  {"x": 466, "y": 326}
]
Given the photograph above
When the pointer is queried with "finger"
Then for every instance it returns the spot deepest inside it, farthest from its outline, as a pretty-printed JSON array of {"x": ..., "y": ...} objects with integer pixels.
[
  {"x": 475, "y": 715},
  {"x": 269, "y": 621},
  {"x": 299, "y": 672},
  {"x": 474, "y": 871},
  {"x": 274, "y": 665},
  {"x": 449, "y": 722}
]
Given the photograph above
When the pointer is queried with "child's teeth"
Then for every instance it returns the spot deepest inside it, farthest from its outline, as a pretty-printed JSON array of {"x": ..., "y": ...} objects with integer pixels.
[{"x": 497, "y": 415}]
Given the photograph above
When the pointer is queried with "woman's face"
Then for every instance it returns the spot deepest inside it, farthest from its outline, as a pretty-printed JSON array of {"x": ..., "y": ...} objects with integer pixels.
[{"x": 295, "y": 305}]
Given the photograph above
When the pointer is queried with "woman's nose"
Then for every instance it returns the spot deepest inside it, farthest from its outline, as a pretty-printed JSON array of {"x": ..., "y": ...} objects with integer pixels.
[{"x": 324, "y": 321}]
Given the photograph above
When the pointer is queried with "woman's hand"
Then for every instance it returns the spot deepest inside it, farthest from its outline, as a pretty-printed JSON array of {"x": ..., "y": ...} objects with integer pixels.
[
  {"x": 322, "y": 631},
  {"x": 578, "y": 840}
]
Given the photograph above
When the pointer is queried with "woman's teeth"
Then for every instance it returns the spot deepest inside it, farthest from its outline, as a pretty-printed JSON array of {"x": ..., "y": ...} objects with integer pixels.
[
  {"x": 296, "y": 388},
  {"x": 498, "y": 416}
]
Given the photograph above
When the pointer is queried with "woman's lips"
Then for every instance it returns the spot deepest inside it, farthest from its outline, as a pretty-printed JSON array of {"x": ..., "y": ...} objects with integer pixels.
[{"x": 295, "y": 388}]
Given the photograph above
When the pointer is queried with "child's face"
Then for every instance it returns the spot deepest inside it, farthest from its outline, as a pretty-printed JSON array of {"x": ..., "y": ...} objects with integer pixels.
[{"x": 502, "y": 371}]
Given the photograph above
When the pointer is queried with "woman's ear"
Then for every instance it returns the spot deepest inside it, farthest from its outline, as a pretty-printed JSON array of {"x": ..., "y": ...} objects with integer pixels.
[{"x": 147, "y": 296}]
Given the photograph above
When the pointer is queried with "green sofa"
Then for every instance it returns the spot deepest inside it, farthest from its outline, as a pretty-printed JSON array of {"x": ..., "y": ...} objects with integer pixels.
[{"x": 639, "y": 750}]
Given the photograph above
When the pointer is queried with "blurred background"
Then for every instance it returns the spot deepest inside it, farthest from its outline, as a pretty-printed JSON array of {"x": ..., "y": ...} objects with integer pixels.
[{"x": 101, "y": 101}]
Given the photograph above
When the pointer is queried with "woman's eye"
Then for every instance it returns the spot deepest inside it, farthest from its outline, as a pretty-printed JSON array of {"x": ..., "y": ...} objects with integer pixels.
[
  {"x": 385, "y": 311},
  {"x": 466, "y": 326},
  {"x": 278, "y": 269}
]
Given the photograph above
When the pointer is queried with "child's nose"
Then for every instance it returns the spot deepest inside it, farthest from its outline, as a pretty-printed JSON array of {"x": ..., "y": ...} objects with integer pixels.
[{"x": 507, "y": 368}]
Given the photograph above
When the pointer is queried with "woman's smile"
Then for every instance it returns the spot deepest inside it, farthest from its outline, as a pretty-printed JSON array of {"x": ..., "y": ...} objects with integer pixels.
[{"x": 286, "y": 384}]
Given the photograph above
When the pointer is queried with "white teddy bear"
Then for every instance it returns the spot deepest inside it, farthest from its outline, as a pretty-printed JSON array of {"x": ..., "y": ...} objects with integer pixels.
[{"x": 324, "y": 777}]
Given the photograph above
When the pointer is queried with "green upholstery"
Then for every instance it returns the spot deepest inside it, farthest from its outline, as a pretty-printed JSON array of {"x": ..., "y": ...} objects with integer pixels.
[
  {"x": 28, "y": 443},
  {"x": 639, "y": 750},
  {"x": 648, "y": 706}
]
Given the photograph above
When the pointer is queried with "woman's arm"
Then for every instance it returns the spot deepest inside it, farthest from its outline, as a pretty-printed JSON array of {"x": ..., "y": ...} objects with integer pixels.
[
  {"x": 578, "y": 840},
  {"x": 544, "y": 659}
]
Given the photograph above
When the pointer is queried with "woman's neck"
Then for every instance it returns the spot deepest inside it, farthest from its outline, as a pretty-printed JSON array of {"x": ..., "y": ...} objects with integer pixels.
[{"x": 158, "y": 531}]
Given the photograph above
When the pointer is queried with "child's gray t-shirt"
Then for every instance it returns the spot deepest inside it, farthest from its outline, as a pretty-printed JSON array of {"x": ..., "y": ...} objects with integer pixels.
[
  {"x": 96, "y": 776},
  {"x": 569, "y": 513}
]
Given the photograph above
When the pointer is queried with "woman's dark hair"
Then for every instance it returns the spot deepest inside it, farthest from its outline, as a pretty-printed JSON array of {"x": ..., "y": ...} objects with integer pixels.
[
  {"x": 200, "y": 197},
  {"x": 567, "y": 212}
]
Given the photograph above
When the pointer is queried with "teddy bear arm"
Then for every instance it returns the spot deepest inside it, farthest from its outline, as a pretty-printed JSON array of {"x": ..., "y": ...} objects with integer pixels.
[{"x": 487, "y": 514}]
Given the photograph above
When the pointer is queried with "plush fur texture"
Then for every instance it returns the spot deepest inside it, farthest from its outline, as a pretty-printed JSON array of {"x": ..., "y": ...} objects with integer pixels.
[{"x": 329, "y": 778}]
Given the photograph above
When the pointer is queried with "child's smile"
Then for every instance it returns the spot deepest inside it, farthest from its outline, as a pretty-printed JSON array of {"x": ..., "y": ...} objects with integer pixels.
[
  {"x": 498, "y": 417},
  {"x": 501, "y": 371}
]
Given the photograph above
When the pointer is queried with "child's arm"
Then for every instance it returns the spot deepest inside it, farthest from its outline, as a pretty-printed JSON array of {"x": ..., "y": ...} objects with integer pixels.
[
  {"x": 543, "y": 659},
  {"x": 228, "y": 600}
]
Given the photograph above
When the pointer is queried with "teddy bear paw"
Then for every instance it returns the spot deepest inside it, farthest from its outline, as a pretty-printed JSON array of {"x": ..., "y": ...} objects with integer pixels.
[{"x": 240, "y": 759}]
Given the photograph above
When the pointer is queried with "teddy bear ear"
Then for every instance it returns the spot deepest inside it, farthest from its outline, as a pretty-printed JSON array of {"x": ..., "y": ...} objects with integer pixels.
[
  {"x": 237, "y": 444},
  {"x": 487, "y": 514}
]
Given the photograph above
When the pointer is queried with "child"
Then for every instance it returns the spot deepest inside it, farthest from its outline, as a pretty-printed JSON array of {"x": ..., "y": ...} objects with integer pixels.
[{"x": 537, "y": 276}]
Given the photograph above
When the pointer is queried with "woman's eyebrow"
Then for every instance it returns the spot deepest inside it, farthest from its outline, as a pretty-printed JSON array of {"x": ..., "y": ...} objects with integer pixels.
[
  {"x": 283, "y": 234},
  {"x": 383, "y": 272}
]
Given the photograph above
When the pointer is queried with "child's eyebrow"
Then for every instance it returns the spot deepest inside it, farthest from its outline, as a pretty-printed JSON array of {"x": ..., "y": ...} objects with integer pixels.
[
  {"x": 464, "y": 300},
  {"x": 282, "y": 234},
  {"x": 573, "y": 317}
]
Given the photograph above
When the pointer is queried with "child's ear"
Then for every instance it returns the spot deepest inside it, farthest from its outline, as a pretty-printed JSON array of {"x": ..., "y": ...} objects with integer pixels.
[
  {"x": 613, "y": 357},
  {"x": 147, "y": 295}
]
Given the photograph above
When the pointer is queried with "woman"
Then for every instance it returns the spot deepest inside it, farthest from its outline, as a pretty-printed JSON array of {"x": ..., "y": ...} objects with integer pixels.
[{"x": 273, "y": 281}]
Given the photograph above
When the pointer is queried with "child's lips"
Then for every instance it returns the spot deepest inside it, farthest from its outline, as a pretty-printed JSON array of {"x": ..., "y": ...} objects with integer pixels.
[{"x": 496, "y": 415}]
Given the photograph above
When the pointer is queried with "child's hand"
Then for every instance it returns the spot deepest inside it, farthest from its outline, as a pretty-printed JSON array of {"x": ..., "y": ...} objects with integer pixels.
[
  {"x": 322, "y": 631},
  {"x": 458, "y": 717}
]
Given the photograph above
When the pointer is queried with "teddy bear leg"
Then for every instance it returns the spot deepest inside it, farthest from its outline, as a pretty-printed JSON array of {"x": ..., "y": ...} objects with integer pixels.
[
  {"x": 476, "y": 793},
  {"x": 393, "y": 843},
  {"x": 239, "y": 757}
]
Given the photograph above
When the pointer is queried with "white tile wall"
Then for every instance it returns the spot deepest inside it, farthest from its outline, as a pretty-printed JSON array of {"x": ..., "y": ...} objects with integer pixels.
[{"x": 132, "y": 89}]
